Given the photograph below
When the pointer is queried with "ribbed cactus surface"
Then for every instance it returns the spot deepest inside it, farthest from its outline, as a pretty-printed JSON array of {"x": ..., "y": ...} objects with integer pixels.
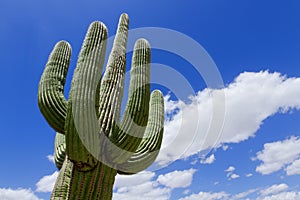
[{"x": 92, "y": 142}]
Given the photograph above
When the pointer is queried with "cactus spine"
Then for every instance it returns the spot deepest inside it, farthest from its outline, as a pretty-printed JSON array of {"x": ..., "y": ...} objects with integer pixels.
[{"x": 134, "y": 142}]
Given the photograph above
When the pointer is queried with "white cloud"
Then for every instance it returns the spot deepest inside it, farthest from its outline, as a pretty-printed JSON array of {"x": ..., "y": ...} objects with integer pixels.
[
  {"x": 249, "y": 175},
  {"x": 225, "y": 147},
  {"x": 147, "y": 191},
  {"x": 230, "y": 173},
  {"x": 139, "y": 185},
  {"x": 234, "y": 176},
  {"x": 46, "y": 183},
  {"x": 206, "y": 196},
  {"x": 249, "y": 100},
  {"x": 208, "y": 160},
  {"x": 17, "y": 194},
  {"x": 277, "y": 155},
  {"x": 274, "y": 189},
  {"x": 230, "y": 169},
  {"x": 283, "y": 196},
  {"x": 294, "y": 168},
  {"x": 194, "y": 162},
  {"x": 242, "y": 195},
  {"x": 51, "y": 158},
  {"x": 186, "y": 192},
  {"x": 278, "y": 191},
  {"x": 148, "y": 187},
  {"x": 133, "y": 180},
  {"x": 177, "y": 179},
  {"x": 171, "y": 107}
]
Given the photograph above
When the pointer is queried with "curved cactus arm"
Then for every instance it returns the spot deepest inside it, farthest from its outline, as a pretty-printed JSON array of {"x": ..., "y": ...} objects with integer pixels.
[
  {"x": 80, "y": 114},
  {"x": 112, "y": 84},
  {"x": 151, "y": 142},
  {"x": 130, "y": 133},
  {"x": 51, "y": 100},
  {"x": 59, "y": 150}
]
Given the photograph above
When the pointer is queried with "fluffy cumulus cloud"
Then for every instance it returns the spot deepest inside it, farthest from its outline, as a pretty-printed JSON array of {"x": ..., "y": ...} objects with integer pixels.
[
  {"x": 139, "y": 185},
  {"x": 146, "y": 185},
  {"x": 294, "y": 168},
  {"x": 230, "y": 115},
  {"x": 147, "y": 191},
  {"x": 177, "y": 179},
  {"x": 278, "y": 155},
  {"x": 17, "y": 194},
  {"x": 133, "y": 180},
  {"x": 46, "y": 183}
]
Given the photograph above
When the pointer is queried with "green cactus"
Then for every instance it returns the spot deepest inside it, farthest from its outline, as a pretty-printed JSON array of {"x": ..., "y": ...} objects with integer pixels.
[{"x": 92, "y": 143}]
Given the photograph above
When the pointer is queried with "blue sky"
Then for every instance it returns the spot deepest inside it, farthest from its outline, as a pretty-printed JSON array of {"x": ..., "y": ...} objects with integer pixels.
[{"x": 255, "y": 46}]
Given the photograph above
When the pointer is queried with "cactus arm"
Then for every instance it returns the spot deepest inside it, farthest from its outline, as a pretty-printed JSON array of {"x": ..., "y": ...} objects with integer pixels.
[
  {"x": 59, "y": 150},
  {"x": 51, "y": 100},
  {"x": 128, "y": 137},
  {"x": 63, "y": 182},
  {"x": 111, "y": 91},
  {"x": 82, "y": 97},
  {"x": 151, "y": 142}
]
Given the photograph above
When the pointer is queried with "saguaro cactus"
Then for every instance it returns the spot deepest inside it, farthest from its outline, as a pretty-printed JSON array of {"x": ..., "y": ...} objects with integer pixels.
[{"x": 92, "y": 143}]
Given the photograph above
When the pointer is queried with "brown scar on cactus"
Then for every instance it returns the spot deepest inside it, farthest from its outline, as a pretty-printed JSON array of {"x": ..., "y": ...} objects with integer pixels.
[{"x": 138, "y": 136}]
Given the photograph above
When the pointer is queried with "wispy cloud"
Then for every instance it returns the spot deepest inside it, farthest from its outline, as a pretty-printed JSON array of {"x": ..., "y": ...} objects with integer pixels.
[
  {"x": 50, "y": 158},
  {"x": 243, "y": 195},
  {"x": 282, "y": 195},
  {"x": 206, "y": 196},
  {"x": 274, "y": 189}
]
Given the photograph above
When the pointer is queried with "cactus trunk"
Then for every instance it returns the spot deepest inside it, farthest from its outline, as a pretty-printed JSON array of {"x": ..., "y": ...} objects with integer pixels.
[{"x": 75, "y": 184}]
